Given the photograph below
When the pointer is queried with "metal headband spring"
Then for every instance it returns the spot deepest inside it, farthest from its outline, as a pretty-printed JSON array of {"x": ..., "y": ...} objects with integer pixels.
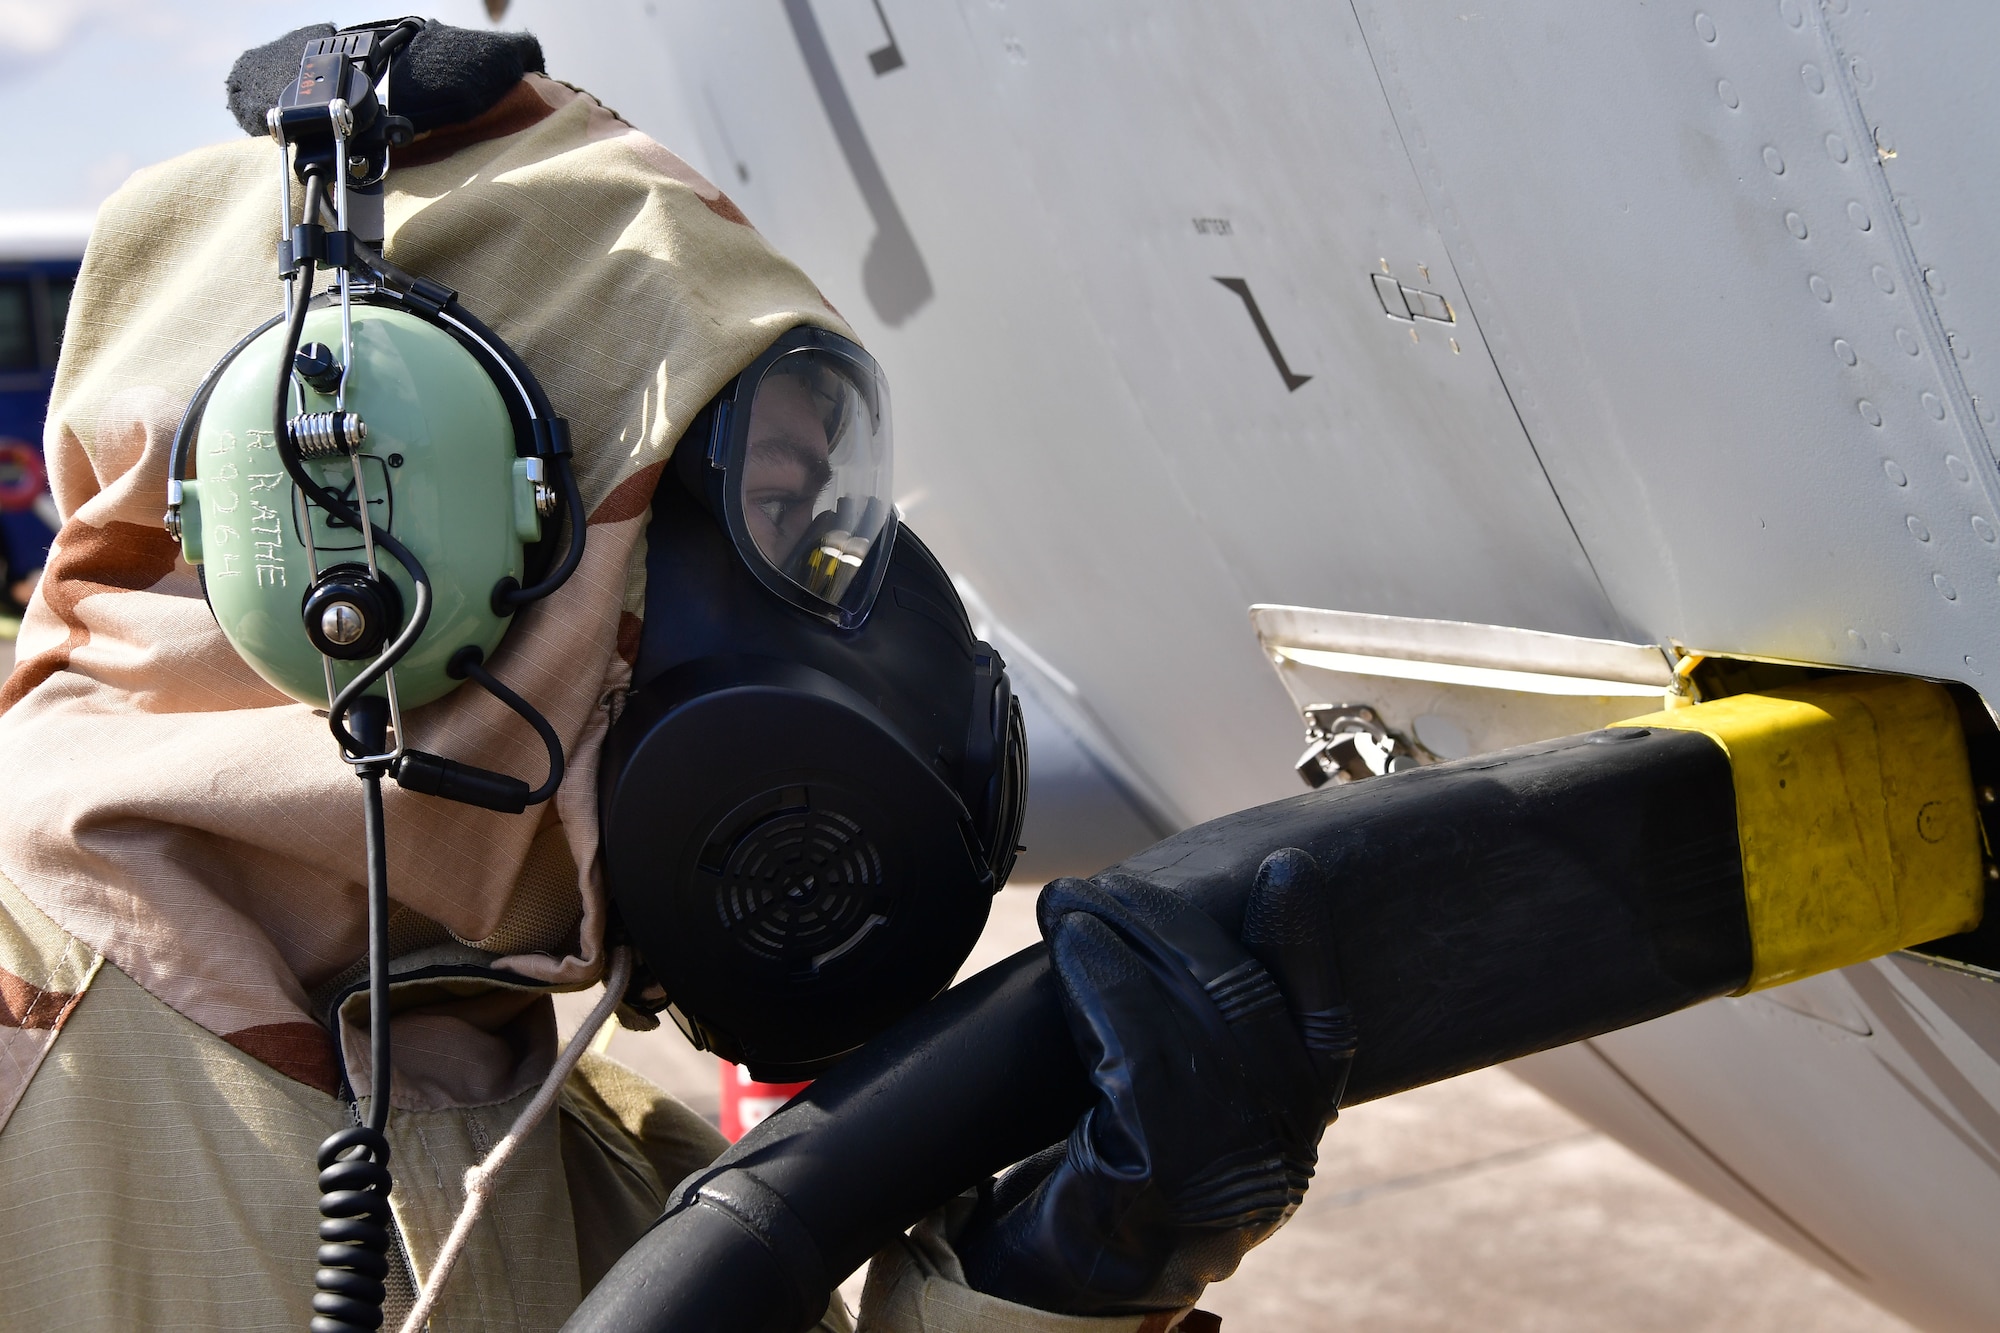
[{"x": 327, "y": 434}]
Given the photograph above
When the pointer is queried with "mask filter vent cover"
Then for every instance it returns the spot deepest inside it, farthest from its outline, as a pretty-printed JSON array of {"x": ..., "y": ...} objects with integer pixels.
[
  {"x": 800, "y": 884},
  {"x": 796, "y": 876}
]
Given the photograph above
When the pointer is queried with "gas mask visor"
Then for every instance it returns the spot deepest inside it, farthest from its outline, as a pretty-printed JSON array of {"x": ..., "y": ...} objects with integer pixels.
[{"x": 802, "y": 442}]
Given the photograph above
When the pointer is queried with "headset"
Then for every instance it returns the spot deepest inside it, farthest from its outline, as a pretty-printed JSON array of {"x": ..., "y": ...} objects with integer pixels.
[
  {"x": 818, "y": 779},
  {"x": 287, "y": 472},
  {"x": 422, "y": 405}
]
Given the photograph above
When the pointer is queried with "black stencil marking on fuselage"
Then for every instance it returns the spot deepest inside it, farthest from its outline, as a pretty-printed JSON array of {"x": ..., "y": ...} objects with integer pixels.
[
  {"x": 1242, "y": 289},
  {"x": 889, "y": 57},
  {"x": 893, "y": 275}
]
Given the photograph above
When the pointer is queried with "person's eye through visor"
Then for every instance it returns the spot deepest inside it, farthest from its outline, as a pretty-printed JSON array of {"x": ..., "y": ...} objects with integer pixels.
[{"x": 806, "y": 456}]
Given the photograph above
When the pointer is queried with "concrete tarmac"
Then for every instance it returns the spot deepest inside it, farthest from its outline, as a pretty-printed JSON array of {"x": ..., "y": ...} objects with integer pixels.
[{"x": 1471, "y": 1204}]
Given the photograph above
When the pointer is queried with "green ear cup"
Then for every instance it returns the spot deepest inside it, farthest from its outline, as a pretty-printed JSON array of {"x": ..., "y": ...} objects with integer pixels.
[{"x": 439, "y": 471}]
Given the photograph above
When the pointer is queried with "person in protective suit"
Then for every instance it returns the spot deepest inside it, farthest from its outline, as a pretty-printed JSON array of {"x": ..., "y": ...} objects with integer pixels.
[{"x": 182, "y": 920}]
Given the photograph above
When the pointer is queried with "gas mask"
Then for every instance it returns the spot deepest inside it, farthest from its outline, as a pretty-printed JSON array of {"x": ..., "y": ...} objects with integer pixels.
[{"x": 818, "y": 781}]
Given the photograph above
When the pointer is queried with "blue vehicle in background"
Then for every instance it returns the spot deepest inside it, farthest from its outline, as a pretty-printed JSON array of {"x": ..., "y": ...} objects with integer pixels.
[{"x": 39, "y": 257}]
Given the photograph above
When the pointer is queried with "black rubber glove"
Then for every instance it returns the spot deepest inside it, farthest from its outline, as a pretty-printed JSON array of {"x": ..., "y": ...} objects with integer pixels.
[{"x": 1214, "y": 1084}]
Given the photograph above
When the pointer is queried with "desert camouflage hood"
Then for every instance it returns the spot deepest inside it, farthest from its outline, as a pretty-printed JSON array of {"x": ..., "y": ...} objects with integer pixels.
[{"x": 170, "y": 810}]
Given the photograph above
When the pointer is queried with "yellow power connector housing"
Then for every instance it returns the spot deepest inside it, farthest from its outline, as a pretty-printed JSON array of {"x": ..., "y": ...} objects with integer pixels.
[{"x": 1857, "y": 817}]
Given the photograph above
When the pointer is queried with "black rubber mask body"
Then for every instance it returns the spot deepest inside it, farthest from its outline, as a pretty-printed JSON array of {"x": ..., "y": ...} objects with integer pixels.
[{"x": 803, "y": 825}]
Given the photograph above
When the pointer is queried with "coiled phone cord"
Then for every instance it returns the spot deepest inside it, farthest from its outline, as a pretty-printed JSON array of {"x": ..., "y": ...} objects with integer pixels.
[{"x": 354, "y": 1178}]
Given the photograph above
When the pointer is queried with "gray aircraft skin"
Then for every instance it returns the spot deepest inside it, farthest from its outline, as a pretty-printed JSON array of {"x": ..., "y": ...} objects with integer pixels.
[{"x": 1502, "y": 356}]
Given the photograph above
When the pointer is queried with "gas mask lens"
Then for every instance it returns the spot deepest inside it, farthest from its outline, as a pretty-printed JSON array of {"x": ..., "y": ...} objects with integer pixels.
[{"x": 812, "y": 477}]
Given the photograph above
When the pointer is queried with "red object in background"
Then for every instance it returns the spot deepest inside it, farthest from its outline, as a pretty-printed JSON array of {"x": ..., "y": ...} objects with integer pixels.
[
  {"x": 22, "y": 476},
  {"x": 745, "y": 1101}
]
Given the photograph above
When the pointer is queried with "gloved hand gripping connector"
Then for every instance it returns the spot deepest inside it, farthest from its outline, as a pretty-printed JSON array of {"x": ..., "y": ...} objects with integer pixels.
[
  {"x": 1217, "y": 1065},
  {"x": 1288, "y": 925}
]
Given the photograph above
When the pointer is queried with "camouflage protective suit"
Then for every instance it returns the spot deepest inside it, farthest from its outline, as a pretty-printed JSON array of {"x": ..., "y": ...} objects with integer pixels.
[{"x": 182, "y": 909}]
